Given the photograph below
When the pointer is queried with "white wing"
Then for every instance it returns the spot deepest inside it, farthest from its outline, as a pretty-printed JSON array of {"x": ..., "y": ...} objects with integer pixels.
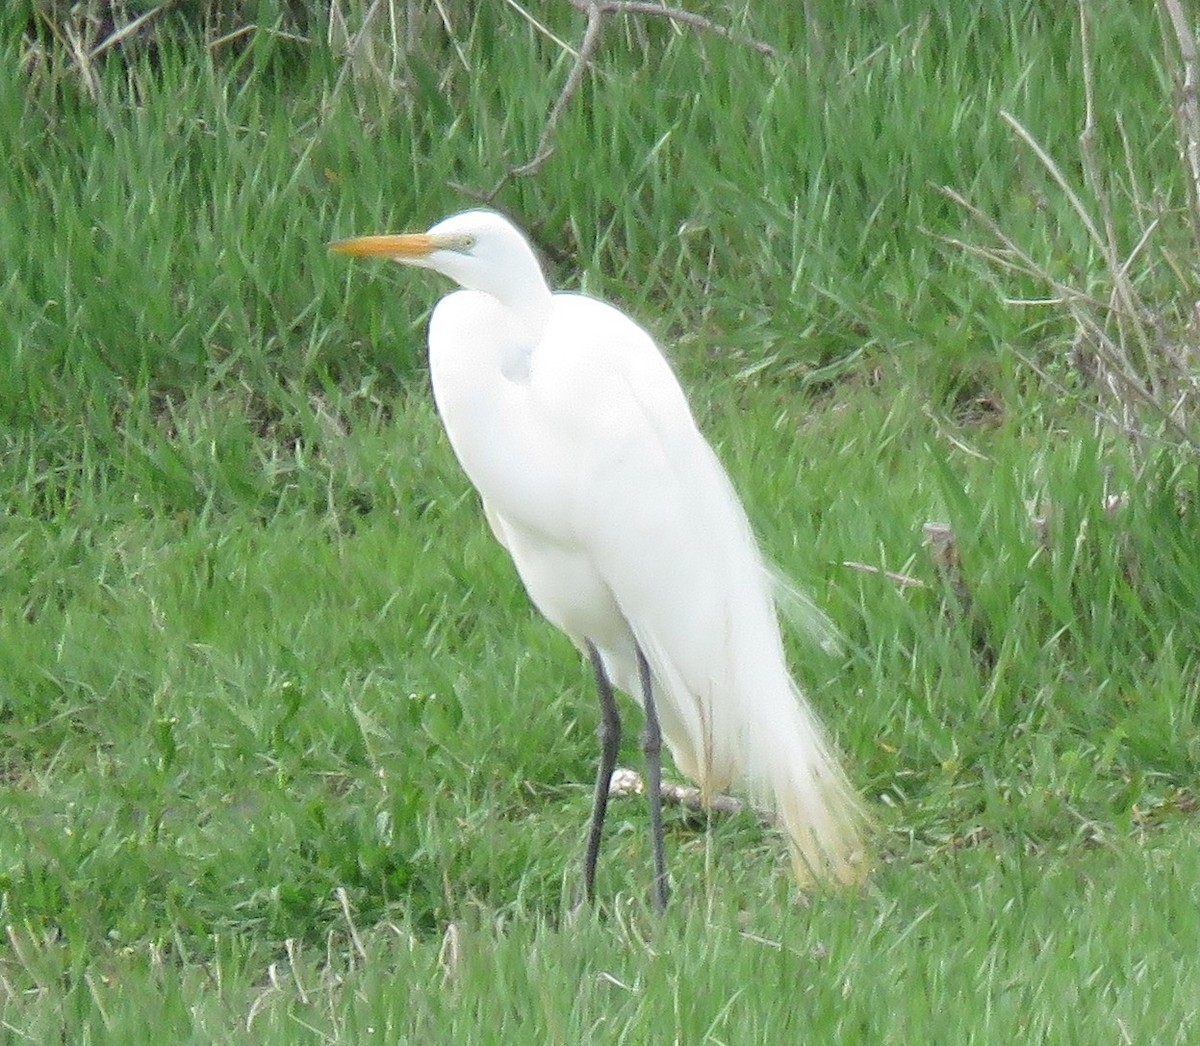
[{"x": 625, "y": 529}]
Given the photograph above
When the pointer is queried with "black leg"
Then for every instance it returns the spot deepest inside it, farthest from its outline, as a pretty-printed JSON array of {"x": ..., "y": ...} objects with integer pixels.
[
  {"x": 609, "y": 732},
  {"x": 652, "y": 749}
]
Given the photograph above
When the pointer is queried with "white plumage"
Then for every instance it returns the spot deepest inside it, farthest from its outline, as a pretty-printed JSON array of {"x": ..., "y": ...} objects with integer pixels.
[{"x": 623, "y": 525}]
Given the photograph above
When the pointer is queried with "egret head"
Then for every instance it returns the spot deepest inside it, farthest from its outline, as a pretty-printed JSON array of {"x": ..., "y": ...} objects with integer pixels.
[{"x": 479, "y": 250}]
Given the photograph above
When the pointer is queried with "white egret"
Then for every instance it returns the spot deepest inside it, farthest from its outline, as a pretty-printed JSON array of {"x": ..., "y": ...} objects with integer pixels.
[{"x": 627, "y": 534}]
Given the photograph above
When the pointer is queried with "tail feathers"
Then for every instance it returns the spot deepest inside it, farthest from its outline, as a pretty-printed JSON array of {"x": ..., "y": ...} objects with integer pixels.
[
  {"x": 802, "y": 781},
  {"x": 797, "y": 607},
  {"x": 770, "y": 739}
]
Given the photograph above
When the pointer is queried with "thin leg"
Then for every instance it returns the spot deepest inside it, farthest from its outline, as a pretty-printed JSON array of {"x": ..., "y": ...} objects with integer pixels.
[
  {"x": 609, "y": 732},
  {"x": 652, "y": 749}
]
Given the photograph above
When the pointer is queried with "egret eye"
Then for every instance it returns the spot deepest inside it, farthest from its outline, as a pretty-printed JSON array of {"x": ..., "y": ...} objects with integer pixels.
[{"x": 463, "y": 243}]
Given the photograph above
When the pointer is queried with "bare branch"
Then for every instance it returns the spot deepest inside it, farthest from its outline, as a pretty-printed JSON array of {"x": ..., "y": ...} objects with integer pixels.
[
  {"x": 591, "y": 40},
  {"x": 545, "y": 146},
  {"x": 675, "y": 14},
  {"x": 626, "y": 782},
  {"x": 596, "y": 11}
]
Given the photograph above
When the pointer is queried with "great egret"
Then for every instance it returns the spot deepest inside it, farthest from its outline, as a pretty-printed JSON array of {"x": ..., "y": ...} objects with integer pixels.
[{"x": 627, "y": 534}]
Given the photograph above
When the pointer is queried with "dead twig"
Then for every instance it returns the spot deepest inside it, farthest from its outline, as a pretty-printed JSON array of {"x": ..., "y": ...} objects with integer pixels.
[
  {"x": 903, "y": 580},
  {"x": 545, "y": 146},
  {"x": 591, "y": 40},
  {"x": 625, "y": 782},
  {"x": 674, "y": 14}
]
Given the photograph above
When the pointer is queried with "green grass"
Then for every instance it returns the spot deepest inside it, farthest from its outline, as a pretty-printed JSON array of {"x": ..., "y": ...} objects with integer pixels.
[{"x": 285, "y": 755}]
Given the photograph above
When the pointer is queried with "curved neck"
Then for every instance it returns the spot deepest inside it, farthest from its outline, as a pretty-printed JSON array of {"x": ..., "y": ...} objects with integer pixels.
[{"x": 521, "y": 289}]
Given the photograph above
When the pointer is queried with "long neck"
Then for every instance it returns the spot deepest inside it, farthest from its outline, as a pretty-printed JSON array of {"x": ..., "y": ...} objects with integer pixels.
[{"x": 523, "y": 292}]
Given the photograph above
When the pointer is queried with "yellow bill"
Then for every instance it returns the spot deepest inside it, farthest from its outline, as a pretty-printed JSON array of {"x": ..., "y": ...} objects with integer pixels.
[{"x": 392, "y": 245}]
